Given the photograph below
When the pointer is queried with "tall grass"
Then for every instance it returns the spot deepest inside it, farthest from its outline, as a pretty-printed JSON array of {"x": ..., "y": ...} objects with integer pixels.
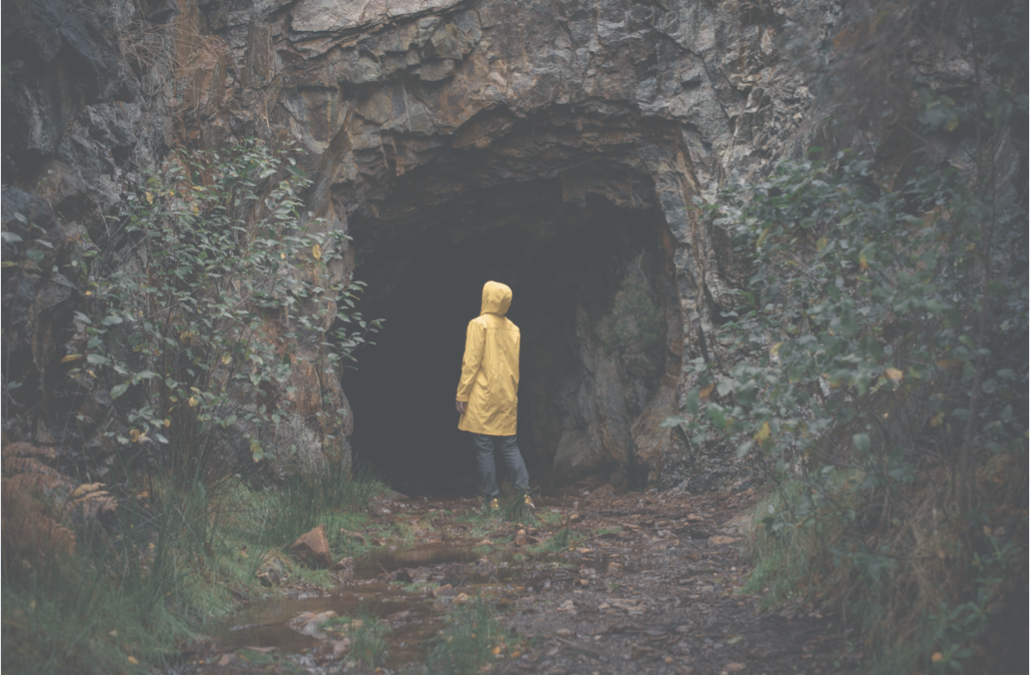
[
  {"x": 467, "y": 641},
  {"x": 305, "y": 499},
  {"x": 368, "y": 639},
  {"x": 147, "y": 578},
  {"x": 918, "y": 589}
]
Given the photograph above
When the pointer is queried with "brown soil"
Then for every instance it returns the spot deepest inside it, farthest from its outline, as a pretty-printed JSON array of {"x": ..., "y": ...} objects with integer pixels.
[{"x": 651, "y": 584}]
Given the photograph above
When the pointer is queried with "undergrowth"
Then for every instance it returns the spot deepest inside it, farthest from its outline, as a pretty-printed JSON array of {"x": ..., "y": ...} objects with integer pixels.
[
  {"x": 561, "y": 540},
  {"x": 471, "y": 638},
  {"x": 918, "y": 598},
  {"x": 873, "y": 365},
  {"x": 168, "y": 561},
  {"x": 368, "y": 639},
  {"x": 513, "y": 508}
]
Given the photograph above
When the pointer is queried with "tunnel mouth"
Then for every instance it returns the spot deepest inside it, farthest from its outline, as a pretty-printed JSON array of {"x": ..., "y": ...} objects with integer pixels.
[{"x": 593, "y": 294}]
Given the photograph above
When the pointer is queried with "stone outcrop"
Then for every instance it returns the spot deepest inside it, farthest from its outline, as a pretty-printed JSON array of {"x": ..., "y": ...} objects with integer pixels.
[{"x": 425, "y": 123}]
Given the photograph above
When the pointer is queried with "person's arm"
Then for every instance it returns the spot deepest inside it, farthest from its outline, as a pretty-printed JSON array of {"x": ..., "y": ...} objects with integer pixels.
[{"x": 475, "y": 340}]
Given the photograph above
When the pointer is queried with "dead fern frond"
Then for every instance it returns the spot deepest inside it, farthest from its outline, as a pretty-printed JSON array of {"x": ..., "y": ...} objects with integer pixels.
[
  {"x": 15, "y": 465},
  {"x": 23, "y": 449},
  {"x": 93, "y": 500},
  {"x": 37, "y": 535}
]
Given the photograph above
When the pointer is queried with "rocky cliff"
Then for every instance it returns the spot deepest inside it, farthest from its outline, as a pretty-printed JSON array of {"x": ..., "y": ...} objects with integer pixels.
[{"x": 562, "y": 144}]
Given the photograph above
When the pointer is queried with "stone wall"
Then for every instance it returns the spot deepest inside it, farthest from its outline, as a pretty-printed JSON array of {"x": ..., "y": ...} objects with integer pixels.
[{"x": 400, "y": 107}]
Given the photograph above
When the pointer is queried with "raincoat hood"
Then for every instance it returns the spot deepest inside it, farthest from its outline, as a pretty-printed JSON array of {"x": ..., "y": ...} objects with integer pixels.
[{"x": 496, "y": 298}]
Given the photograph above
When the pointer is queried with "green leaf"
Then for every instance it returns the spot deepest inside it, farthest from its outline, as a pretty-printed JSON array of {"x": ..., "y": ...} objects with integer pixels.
[
  {"x": 862, "y": 442},
  {"x": 118, "y": 390},
  {"x": 693, "y": 402},
  {"x": 111, "y": 319},
  {"x": 717, "y": 416}
]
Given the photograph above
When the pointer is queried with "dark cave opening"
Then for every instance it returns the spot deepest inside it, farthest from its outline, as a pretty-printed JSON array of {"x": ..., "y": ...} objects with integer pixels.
[{"x": 565, "y": 263}]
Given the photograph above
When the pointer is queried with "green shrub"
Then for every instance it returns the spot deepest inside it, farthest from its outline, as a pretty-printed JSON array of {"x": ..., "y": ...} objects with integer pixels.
[
  {"x": 873, "y": 366},
  {"x": 213, "y": 285}
]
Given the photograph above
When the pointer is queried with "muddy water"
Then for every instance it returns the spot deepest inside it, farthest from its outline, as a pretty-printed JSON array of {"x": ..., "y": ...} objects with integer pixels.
[{"x": 414, "y": 616}]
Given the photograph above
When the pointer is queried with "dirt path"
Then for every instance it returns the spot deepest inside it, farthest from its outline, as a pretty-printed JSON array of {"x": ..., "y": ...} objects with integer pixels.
[
  {"x": 665, "y": 598},
  {"x": 650, "y": 584}
]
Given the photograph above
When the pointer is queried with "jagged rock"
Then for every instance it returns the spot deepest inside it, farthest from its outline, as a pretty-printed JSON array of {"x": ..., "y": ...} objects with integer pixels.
[
  {"x": 430, "y": 124},
  {"x": 313, "y": 548}
]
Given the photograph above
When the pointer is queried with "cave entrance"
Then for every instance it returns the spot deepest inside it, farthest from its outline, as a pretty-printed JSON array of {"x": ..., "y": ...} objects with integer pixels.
[{"x": 592, "y": 294}]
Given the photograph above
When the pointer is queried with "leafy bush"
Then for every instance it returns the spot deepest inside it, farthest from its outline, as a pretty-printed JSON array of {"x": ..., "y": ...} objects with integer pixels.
[
  {"x": 880, "y": 333},
  {"x": 214, "y": 286}
]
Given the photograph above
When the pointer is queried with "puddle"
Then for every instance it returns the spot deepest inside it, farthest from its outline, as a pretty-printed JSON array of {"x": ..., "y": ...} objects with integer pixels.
[
  {"x": 410, "y": 615},
  {"x": 267, "y": 624},
  {"x": 387, "y": 560}
]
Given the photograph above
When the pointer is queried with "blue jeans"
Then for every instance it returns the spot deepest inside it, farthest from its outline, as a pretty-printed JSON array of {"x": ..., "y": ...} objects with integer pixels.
[{"x": 509, "y": 449}]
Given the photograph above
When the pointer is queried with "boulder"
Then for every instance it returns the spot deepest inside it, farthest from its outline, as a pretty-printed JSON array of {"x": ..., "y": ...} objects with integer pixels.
[{"x": 313, "y": 548}]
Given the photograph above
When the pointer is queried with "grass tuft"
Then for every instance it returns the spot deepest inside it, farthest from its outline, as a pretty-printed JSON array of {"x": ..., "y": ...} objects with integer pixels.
[
  {"x": 471, "y": 638},
  {"x": 368, "y": 639}
]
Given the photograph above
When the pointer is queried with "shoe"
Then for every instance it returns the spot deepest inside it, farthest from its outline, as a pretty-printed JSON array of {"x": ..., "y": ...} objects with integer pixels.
[
  {"x": 493, "y": 505},
  {"x": 528, "y": 502}
]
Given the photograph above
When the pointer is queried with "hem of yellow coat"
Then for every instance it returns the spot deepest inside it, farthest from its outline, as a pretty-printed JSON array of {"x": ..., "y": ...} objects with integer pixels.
[{"x": 483, "y": 432}]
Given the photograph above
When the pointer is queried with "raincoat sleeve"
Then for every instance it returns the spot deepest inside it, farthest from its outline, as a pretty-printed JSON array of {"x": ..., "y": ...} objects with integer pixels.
[{"x": 475, "y": 339}]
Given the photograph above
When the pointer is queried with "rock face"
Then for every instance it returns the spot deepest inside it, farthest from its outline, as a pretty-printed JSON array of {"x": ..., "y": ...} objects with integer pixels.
[
  {"x": 454, "y": 126},
  {"x": 438, "y": 132}
]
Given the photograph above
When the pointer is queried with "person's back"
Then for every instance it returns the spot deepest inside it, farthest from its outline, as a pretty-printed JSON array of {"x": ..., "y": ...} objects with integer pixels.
[{"x": 487, "y": 395}]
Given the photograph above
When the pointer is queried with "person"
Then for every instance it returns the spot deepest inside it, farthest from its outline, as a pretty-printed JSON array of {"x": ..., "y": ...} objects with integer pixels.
[{"x": 487, "y": 397}]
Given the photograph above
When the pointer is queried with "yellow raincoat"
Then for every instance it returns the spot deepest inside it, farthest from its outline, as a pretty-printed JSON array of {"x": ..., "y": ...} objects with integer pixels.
[{"x": 489, "y": 382}]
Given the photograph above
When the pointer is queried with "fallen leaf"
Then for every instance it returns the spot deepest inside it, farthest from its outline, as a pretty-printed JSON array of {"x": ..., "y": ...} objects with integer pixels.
[
  {"x": 893, "y": 374},
  {"x": 316, "y": 252},
  {"x": 719, "y": 540},
  {"x": 132, "y": 660},
  {"x": 937, "y": 656}
]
